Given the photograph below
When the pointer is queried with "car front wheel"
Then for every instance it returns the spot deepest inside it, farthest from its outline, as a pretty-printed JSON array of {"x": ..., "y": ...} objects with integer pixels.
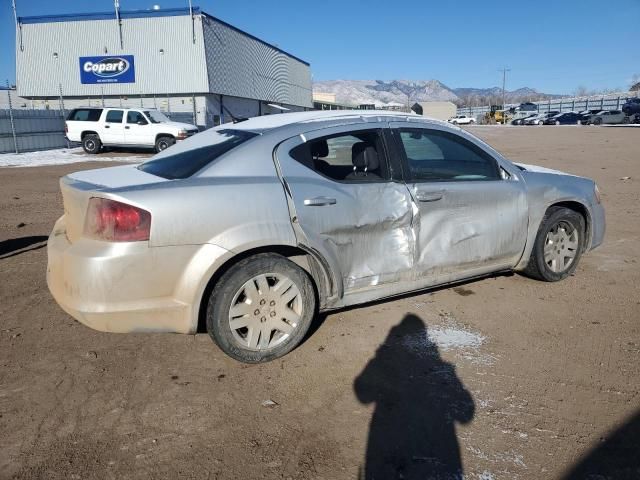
[
  {"x": 558, "y": 245},
  {"x": 261, "y": 308},
  {"x": 162, "y": 143}
]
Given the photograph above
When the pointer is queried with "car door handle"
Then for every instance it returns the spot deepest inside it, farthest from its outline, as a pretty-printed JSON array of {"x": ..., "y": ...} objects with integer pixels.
[
  {"x": 127, "y": 128},
  {"x": 429, "y": 196},
  {"x": 107, "y": 126},
  {"x": 319, "y": 201}
]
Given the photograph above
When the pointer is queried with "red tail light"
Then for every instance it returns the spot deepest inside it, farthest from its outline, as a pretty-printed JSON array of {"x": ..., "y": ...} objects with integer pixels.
[{"x": 116, "y": 221}]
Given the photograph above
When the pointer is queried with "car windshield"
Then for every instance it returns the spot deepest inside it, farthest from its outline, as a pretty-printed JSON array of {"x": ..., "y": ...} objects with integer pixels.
[
  {"x": 185, "y": 163},
  {"x": 156, "y": 117}
]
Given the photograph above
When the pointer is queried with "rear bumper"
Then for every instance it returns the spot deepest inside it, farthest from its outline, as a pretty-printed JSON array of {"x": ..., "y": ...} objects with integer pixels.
[{"x": 129, "y": 287}]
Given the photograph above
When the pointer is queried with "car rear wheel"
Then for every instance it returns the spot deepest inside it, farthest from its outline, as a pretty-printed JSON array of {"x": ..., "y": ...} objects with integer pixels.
[
  {"x": 558, "y": 245},
  {"x": 91, "y": 144},
  {"x": 162, "y": 143},
  {"x": 261, "y": 308}
]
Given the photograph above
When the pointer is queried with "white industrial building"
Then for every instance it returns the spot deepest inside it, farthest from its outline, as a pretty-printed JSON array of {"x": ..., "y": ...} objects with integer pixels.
[{"x": 177, "y": 60}]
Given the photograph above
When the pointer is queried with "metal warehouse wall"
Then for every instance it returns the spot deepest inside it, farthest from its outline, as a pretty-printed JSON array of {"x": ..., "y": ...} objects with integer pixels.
[
  {"x": 181, "y": 69},
  {"x": 243, "y": 66}
]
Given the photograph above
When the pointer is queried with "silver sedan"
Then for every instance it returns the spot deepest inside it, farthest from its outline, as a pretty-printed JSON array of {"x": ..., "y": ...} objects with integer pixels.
[{"x": 250, "y": 229}]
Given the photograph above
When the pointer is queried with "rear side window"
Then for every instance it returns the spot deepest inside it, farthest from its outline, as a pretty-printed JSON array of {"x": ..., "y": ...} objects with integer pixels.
[
  {"x": 357, "y": 156},
  {"x": 85, "y": 115},
  {"x": 114, "y": 116},
  {"x": 185, "y": 163}
]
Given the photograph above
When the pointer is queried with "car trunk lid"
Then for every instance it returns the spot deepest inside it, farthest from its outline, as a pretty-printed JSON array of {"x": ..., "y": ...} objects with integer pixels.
[{"x": 78, "y": 188}]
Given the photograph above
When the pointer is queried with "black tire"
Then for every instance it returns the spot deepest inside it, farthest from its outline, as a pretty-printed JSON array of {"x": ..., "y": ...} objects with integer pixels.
[
  {"x": 626, "y": 120},
  {"x": 597, "y": 121},
  {"x": 91, "y": 144},
  {"x": 162, "y": 143},
  {"x": 537, "y": 267},
  {"x": 232, "y": 282}
]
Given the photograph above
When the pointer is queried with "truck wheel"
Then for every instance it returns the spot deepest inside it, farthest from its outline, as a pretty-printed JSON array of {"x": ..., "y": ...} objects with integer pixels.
[
  {"x": 261, "y": 308},
  {"x": 162, "y": 143},
  {"x": 91, "y": 144},
  {"x": 558, "y": 245}
]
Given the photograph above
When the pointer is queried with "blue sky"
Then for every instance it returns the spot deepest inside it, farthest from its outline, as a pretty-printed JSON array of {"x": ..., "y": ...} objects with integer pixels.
[{"x": 552, "y": 46}]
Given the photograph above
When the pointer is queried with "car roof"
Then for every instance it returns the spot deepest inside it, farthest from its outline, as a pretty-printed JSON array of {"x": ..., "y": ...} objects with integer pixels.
[{"x": 269, "y": 122}]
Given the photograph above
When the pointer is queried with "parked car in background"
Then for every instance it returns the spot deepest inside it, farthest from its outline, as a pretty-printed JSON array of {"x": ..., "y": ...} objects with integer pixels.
[
  {"x": 521, "y": 120},
  {"x": 585, "y": 116},
  {"x": 540, "y": 118},
  {"x": 566, "y": 118},
  {"x": 124, "y": 127},
  {"x": 256, "y": 226},
  {"x": 632, "y": 109},
  {"x": 609, "y": 117},
  {"x": 462, "y": 120}
]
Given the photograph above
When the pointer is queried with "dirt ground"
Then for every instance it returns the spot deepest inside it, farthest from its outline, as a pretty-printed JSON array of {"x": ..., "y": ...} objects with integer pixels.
[{"x": 516, "y": 379}]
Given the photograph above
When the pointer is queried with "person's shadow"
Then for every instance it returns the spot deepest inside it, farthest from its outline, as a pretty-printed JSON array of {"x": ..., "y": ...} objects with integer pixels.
[{"x": 419, "y": 398}]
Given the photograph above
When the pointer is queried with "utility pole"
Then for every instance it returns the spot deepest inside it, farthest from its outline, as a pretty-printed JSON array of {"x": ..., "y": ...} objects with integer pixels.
[{"x": 504, "y": 82}]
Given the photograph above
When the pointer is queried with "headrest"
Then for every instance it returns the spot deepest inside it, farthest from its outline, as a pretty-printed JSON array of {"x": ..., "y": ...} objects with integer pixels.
[
  {"x": 320, "y": 149},
  {"x": 364, "y": 156}
]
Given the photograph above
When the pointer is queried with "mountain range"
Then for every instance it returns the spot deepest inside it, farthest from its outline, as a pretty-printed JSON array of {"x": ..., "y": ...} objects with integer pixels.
[{"x": 400, "y": 92}]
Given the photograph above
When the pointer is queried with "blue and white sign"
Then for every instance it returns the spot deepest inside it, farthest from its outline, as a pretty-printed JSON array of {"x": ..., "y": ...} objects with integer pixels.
[{"x": 107, "y": 69}]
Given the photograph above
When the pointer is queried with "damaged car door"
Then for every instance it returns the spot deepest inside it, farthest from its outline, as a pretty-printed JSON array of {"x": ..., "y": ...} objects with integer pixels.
[
  {"x": 345, "y": 205},
  {"x": 472, "y": 213}
]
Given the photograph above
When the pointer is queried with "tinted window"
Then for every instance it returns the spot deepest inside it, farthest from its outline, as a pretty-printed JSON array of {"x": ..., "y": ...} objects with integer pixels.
[
  {"x": 346, "y": 157},
  {"x": 85, "y": 115},
  {"x": 185, "y": 163},
  {"x": 135, "y": 117},
  {"x": 442, "y": 156},
  {"x": 114, "y": 116}
]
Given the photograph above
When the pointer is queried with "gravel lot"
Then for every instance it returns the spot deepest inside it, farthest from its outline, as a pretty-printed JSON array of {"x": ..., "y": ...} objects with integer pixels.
[{"x": 506, "y": 377}]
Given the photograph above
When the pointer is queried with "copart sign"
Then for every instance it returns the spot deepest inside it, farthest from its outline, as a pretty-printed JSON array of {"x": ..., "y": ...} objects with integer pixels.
[{"x": 111, "y": 69}]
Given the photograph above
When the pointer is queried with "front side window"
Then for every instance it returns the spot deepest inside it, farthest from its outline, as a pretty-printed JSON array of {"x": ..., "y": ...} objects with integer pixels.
[
  {"x": 346, "y": 157},
  {"x": 136, "y": 117},
  {"x": 114, "y": 116},
  {"x": 185, "y": 163},
  {"x": 434, "y": 155}
]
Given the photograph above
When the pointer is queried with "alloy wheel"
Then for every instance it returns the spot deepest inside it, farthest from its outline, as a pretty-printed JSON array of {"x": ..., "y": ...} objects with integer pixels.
[{"x": 561, "y": 247}]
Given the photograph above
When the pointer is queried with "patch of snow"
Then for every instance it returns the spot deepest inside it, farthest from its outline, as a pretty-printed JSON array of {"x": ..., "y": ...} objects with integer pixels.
[{"x": 61, "y": 156}]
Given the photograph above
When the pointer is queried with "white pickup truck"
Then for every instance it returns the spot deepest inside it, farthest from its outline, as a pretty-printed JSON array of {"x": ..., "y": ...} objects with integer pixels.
[
  {"x": 124, "y": 127},
  {"x": 462, "y": 120}
]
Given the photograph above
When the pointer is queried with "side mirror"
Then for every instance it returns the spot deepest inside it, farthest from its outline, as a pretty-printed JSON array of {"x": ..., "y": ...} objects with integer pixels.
[{"x": 142, "y": 122}]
